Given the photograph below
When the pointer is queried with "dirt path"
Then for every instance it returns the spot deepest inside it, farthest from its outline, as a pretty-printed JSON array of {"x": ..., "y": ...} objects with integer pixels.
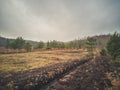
[{"x": 88, "y": 76}]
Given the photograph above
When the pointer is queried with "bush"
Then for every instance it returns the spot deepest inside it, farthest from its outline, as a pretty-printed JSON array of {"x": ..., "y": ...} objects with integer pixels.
[{"x": 103, "y": 52}]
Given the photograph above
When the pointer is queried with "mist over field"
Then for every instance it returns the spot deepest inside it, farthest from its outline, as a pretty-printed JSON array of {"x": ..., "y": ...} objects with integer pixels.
[{"x": 62, "y": 20}]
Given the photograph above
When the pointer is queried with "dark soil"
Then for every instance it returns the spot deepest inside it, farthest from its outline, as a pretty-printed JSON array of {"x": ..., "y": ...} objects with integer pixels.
[
  {"x": 114, "y": 75},
  {"x": 86, "y": 74},
  {"x": 89, "y": 76},
  {"x": 36, "y": 79}
]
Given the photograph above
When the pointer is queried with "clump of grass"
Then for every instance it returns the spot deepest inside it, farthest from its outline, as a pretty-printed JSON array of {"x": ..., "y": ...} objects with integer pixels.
[{"x": 10, "y": 85}]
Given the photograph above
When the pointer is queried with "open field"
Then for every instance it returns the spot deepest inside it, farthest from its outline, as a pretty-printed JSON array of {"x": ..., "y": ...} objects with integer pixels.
[
  {"x": 25, "y": 61},
  {"x": 56, "y": 70},
  {"x": 24, "y": 69}
]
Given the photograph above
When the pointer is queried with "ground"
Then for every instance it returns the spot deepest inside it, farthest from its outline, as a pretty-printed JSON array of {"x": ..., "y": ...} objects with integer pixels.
[
  {"x": 67, "y": 69},
  {"x": 25, "y": 61}
]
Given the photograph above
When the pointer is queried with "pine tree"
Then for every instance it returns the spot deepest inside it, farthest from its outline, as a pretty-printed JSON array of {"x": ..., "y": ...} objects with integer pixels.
[
  {"x": 113, "y": 45},
  {"x": 91, "y": 45},
  {"x": 28, "y": 47},
  {"x": 41, "y": 44},
  {"x": 18, "y": 43}
]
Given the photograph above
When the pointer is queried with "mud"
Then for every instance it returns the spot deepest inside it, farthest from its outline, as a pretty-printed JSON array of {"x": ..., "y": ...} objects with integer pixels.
[
  {"x": 89, "y": 76},
  {"x": 36, "y": 79}
]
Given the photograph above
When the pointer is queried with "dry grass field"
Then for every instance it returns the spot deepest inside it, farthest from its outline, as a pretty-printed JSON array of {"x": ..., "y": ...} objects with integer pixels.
[{"x": 25, "y": 61}]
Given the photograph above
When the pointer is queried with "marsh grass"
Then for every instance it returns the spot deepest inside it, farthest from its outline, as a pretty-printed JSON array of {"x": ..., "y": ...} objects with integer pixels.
[{"x": 10, "y": 63}]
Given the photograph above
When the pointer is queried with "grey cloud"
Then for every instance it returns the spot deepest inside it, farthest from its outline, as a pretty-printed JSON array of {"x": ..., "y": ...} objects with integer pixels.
[{"x": 58, "y": 19}]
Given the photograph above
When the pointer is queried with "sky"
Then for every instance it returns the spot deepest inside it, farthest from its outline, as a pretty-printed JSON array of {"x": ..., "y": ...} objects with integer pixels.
[{"x": 62, "y": 20}]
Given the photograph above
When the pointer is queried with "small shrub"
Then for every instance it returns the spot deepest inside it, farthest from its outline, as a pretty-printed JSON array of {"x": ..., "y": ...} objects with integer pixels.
[
  {"x": 10, "y": 85},
  {"x": 103, "y": 52}
]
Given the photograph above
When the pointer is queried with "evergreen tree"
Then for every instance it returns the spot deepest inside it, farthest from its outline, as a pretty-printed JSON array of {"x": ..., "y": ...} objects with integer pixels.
[
  {"x": 103, "y": 52},
  {"x": 7, "y": 44},
  {"x": 28, "y": 46},
  {"x": 113, "y": 45},
  {"x": 91, "y": 45},
  {"x": 41, "y": 44},
  {"x": 48, "y": 45},
  {"x": 18, "y": 43}
]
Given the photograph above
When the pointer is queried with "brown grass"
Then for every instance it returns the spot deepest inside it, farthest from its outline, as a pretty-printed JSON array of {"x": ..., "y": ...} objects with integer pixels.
[{"x": 25, "y": 61}]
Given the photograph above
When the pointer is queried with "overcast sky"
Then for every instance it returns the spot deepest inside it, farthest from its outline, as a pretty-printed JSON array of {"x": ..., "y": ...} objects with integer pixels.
[{"x": 61, "y": 20}]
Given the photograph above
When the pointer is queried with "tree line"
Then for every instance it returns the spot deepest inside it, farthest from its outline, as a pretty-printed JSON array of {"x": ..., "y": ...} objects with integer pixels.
[
  {"x": 112, "y": 48},
  {"x": 20, "y": 43}
]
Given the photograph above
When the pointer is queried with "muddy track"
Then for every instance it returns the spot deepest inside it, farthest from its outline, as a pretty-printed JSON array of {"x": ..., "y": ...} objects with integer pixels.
[
  {"x": 47, "y": 86},
  {"x": 37, "y": 79},
  {"x": 87, "y": 76}
]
